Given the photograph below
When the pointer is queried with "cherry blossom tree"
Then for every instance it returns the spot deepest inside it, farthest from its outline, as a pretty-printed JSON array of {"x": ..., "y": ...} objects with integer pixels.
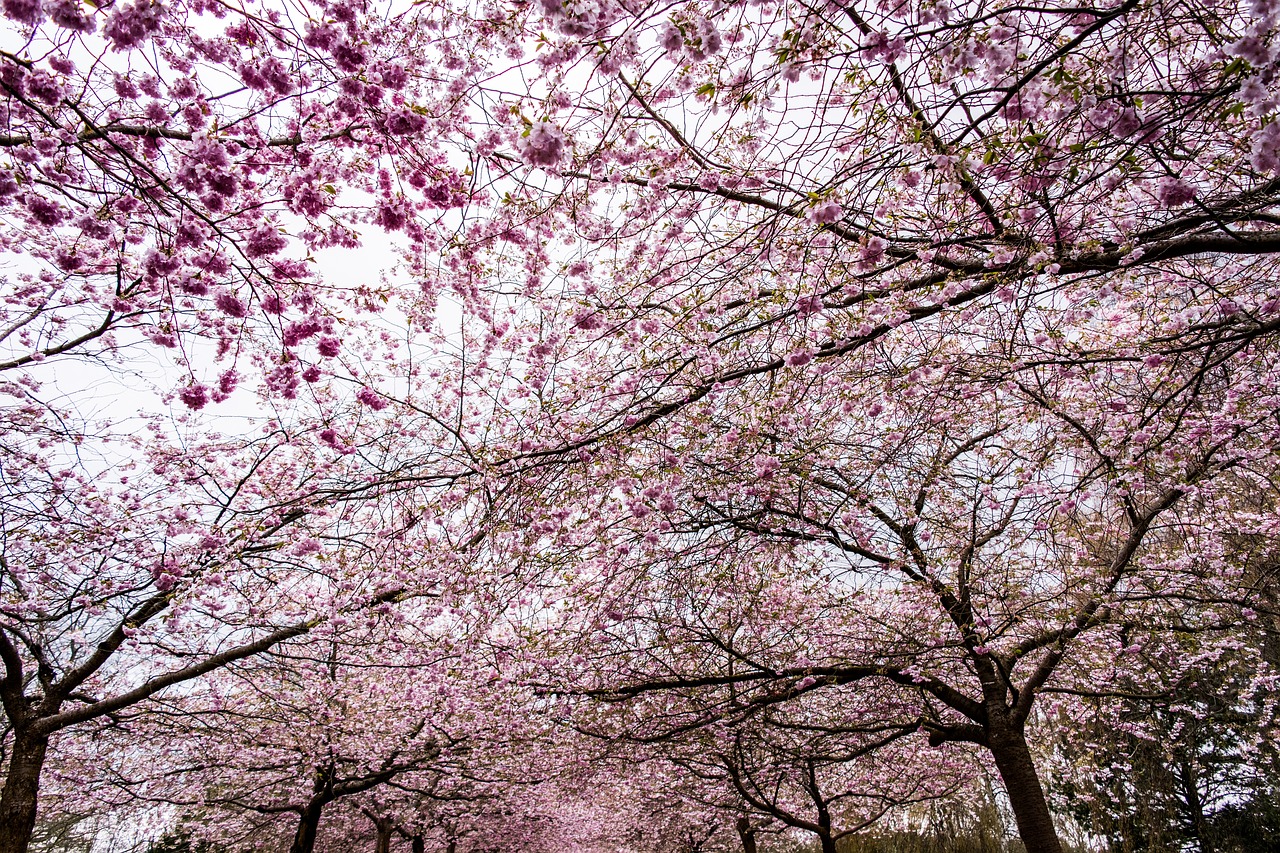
[
  {"x": 975, "y": 554},
  {"x": 170, "y": 171},
  {"x": 309, "y": 746},
  {"x": 968, "y": 303},
  {"x": 158, "y": 561}
]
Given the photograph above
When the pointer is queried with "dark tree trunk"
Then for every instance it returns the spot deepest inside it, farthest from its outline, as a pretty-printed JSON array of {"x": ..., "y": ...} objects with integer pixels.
[
  {"x": 747, "y": 833},
  {"x": 383, "y": 842},
  {"x": 304, "y": 840},
  {"x": 828, "y": 843},
  {"x": 21, "y": 792},
  {"x": 1189, "y": 782},
  {"x": 419, "y": 844},
  {"x": 1026, "y": 796}
]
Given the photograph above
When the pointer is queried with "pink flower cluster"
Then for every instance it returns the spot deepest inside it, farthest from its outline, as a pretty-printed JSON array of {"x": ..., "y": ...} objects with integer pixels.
[
  {"x": 130, "y": 26},
  {"x": 543, "y": 145}
]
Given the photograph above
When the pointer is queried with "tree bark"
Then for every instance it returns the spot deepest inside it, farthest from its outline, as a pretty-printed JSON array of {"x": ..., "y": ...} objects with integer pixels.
[
  {"x": 1026, "y": 796},
  {"x": 1195, "y": 805},
  {"x": 304, "y": 840},
  {"x": 383, "y": 842},
  {"x": 21, "y": 792},
  {"x": 419, "y": 844},
  {"x": 747, "y": 833}
]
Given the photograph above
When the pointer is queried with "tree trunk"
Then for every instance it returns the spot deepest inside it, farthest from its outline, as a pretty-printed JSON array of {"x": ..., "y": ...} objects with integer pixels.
[
  {"x": 1026, "y": 796},
  {"x": 747, "y": 833},
  {"x": 304, "y": 840},
  {"x": 419, "y": 844},
  {"x": 383, "y": 843},
  {"x": 828, "y": 843},
  {"x": 21, "y": 792},
  {"x": 1186, "y": 777}
]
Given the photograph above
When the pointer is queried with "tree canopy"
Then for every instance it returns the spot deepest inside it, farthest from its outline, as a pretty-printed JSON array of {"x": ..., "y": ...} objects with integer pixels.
[{"x": 605, "y": 425}]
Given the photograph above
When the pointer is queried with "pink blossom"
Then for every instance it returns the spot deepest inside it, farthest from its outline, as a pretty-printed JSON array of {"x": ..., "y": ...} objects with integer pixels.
[
  {"x": 1252, "y": 49},
  {"x": 542, "y": 145},
  {"x": 707, "y": 41},
  {"x": 765, "y": 467},
  {"x": 264, "y": 241},
  {"x": 44, "y": 211},
  {"x": 800, "y": 358},
  {"x": 307, "y": 547},
  {"x": 405, "y": 122},
  {"x": 825, "y": 212},
  {"x": 1172, "y": 192},
  {"x": 297, "y": 332},
  {"x": 671, "y": 39},
  {"x": 229, "y": 304},
  {"x": 371, "y": 398},
  {"x": 195, "y": 396},
  {"x": 880, "y": 46},
  {"x": 29, "y": 12},
  {"x": 130, "y": 26},
  {"x": 1266, "y": 148},
  {"x": 44, "y": 86}
]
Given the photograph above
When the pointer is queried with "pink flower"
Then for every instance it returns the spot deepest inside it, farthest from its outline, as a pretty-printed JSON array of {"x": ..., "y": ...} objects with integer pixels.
[
  {"x": 329, "y": 347},
  {"x": 130, "y": 26},
  {"x": 800, "y": 358},
  {"x": 228, "y": 304},
  {"x": 1266, "y": 148},
  {"x": 264, "y": 241},
  {"x": 29, "y": 12},
  {"x": 372, "y": 399},
  {"x": 1172, "y": 192},
  {"x": 44, "y": 86},
  {"x": 826, "y": 212},
  {"x": 765, "y": 467},
  {"x": 1252, "y": 49},
  {"x": 873, "y": 251},
  {"x": 542, "y": 145},
  {"x": 708, "y": 40},
  {"x": 297, "y": 332},
  {"x": 670, "y": 39},
  {"x": 44, "y": 211},
  {"x": 879, "y": 46},
  {"x": 306, "y": 546},
  {"x": 405, "y": 122},
  {"x": 194, "y": 396}
]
